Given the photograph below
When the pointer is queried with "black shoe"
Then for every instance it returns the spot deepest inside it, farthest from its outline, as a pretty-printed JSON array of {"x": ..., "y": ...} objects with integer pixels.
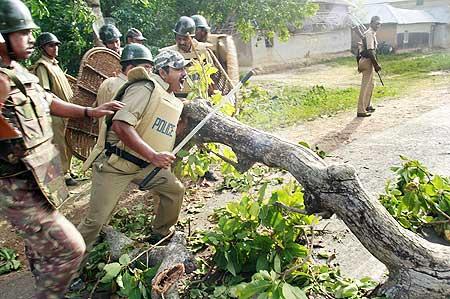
[
  {"x": 210, "y": 176},
  {"x": 363, "y": 114},
  {"x": 370, "y": 109},
  {"x": 71, "y": 182}
]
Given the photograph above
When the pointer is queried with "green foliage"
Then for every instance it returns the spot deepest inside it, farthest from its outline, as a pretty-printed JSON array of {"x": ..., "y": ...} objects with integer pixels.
[
  {"x": 417, "y": 197},
  {"x": 264, "y": 18},
  {"x": 8, "y": 261},
  {"x": 264, "y": 252},
  {"x": 134, "y": 222},
  {"x": 71, "y": 21},
  {"x": 157, "y": 18},
  {"x": 253, "y": 234}
]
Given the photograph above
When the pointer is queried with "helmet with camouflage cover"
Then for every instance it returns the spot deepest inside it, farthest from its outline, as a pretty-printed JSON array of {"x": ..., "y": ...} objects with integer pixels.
[
  {"x": 185, "y": 26},
  {"x": 109, "y": 33},
  {"x": 15, "y": 16},
  {"x": 134, "y": 52},
  {"x": 171, "y": 59},
  {"x": 47, "y": 38},
  {"x": 200, "y": 22}
]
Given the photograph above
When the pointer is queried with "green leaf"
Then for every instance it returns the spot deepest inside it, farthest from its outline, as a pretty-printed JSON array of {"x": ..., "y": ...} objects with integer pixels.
[
  {"x": 277, "y": 264},
  {"x": 262, "y": 263},
  {"x": 291, "y": 292},
  {"x": 124, "y": 259},
  {"x": 112, "y": 270},
  {"x": 253, "y": 288}
]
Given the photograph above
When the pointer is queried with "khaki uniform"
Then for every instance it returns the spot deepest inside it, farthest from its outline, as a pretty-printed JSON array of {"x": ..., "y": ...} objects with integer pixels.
[
  {"x": 365, "y": 66},
  {"x": 53, "y": 79},
  {"x": 225, "y": 50},
  {"x": 200, "y": 51},
  {"x": 154, "y": 114},
  {"x": 32, "y": 186},
  {"x": 107, "y": 90}
]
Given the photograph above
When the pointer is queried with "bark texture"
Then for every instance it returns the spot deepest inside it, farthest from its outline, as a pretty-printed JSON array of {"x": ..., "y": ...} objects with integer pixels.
[
  {"x": 97, "y": 11},
  {"x": 417, "y": 267}
]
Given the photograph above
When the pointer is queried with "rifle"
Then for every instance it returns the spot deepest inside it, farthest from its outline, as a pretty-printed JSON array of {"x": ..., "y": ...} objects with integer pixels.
[{"x": 156, "y": 170}]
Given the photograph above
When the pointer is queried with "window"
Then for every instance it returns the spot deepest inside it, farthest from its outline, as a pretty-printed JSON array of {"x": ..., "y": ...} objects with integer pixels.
[
  {"x": 405, "y": 37},
  {"x": 419, "y": 2}
]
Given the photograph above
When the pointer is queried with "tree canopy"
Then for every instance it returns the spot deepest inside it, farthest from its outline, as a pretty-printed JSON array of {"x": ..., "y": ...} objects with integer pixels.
[{"x": 71, "y": 20}]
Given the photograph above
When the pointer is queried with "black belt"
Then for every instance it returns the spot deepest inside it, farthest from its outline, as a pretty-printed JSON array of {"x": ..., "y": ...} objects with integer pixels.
[{"x": 112, "y": 149}]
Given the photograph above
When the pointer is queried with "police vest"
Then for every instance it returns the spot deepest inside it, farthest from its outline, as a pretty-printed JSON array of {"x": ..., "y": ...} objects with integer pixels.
[
  {"x": 158, "y": 123},
  {"x": 59, "y": 85},
  {"x": 27, "y": 111}
]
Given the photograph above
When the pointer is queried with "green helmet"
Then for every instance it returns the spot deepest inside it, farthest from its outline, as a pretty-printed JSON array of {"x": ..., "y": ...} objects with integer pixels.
[
  {"x": 185, "y": 26},
  {"x": 200, "y": 22},
  {"x": 109, "y": 33},
  {"x": 134, "y": 52},
  {"x": 46, "y": 38},
  {"x": 15, "y": 16}
]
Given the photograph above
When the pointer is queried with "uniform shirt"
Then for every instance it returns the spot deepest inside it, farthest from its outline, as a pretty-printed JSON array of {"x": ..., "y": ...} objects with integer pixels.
[
  {"x": 371, "y": 39},
  {"x": 108, "y": 90},
  {"x": 136, "y": 99}
]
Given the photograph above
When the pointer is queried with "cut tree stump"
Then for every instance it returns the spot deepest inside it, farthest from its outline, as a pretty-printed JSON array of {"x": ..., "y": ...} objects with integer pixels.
[{"x": 417, "y": 267}]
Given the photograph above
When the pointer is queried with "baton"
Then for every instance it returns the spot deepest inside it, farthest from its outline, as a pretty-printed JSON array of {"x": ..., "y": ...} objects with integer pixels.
[
  {"x": 155, "y": 171},
  {"x": 381, "y": 80}
]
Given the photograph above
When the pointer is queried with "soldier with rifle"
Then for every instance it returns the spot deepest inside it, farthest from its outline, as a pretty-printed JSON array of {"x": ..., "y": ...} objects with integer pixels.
[
  {"x": 139, "y": 138},
  {"x": 31, "y": 182},
  {"x": 53, "y": 79},
  {"x": 222, "y": 45},
  {"x": 366, "y": 65}
]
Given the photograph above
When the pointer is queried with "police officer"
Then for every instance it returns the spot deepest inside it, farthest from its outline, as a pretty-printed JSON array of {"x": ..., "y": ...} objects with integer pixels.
[
  {"x": 31, "y": 184},
  {"x": 366, "y": 65},
  {"x": 187, "y": 46},
  {"x": 53, "y": 79},
  {"x": 135, "y": 36},
  {"x": 222, "y": 45},
  {"x": 132, "y": 55},
  {"x": 110, "y": 36},
  {"x": 140, "y": 138}
]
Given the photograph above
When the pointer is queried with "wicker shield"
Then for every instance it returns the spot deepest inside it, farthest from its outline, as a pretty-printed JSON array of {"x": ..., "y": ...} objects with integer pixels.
[
  {"x": 221, "y": 79},
  {"x": 97, "y": 65}
]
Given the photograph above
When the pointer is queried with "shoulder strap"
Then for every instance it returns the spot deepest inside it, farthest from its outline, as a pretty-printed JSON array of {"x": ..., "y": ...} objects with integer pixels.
[
  {"x": 119, "y": 95},
  {"x": 12, "y": 76}
]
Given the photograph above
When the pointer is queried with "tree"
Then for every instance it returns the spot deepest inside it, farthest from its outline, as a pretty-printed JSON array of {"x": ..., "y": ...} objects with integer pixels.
[
  {"x": 71, "y": 21},
  {"x": 417, "y": 268}
]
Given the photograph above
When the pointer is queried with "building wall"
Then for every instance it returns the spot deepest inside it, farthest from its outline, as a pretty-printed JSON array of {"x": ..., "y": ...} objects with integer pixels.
[
  {"x": 388, "y": 34},
  {"x": 441, "y": 36},
  {"x": 300, "y": 45},
  {"x": 413, "y": 36},
  {"x": 412, "y": 4}
]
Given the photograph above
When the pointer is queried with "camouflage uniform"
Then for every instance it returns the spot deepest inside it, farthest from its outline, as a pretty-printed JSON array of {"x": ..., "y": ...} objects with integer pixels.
[{"x": 31, "y": 182}]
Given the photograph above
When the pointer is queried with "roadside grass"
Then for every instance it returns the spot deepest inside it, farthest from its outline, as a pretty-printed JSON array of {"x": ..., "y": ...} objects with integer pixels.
[{"x": 284, "y": 106}]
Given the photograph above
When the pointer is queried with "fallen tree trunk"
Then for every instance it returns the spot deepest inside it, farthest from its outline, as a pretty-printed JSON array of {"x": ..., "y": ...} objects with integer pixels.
[{"x": 417, "y": 267}]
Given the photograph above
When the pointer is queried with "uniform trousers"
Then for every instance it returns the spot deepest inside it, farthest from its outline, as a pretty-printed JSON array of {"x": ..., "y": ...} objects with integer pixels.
[
  {"x": 365, "y": 66},
  {"x": 54, "y": 247},
  {"x": 108, "y": 183}
]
